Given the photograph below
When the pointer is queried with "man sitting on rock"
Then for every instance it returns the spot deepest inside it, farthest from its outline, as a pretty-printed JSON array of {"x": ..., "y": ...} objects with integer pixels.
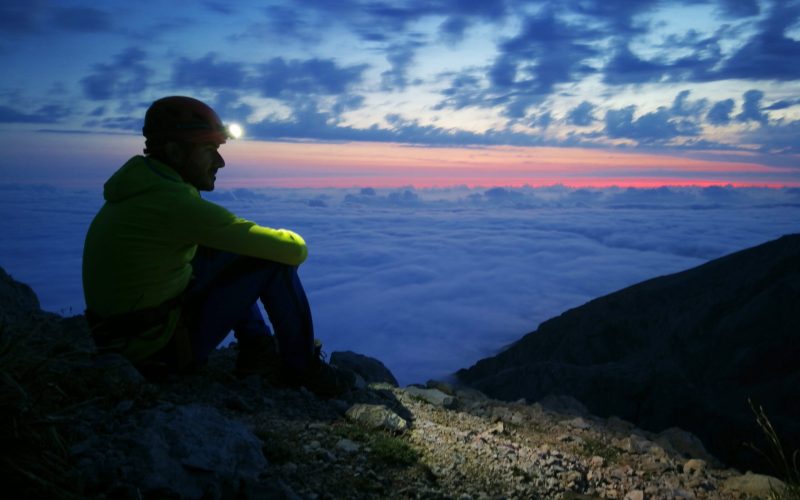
[{"x": 167, "y": 275}]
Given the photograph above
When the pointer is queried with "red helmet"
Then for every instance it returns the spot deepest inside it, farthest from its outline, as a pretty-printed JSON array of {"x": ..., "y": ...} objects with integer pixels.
[{"x": 183, "y": 119}]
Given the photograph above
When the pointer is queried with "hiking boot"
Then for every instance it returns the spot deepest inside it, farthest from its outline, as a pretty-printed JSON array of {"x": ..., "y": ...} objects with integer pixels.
[
  {"x": 327, "y": 381},
  {"x": 258, "y": 356}
]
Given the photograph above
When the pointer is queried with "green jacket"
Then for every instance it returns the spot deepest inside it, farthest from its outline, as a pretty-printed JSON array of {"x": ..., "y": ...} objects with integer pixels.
[{"x": 139, "y": 247}]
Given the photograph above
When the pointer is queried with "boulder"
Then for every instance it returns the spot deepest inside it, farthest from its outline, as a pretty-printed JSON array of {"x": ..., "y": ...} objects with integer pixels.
[
  {"x": 188, "y": 451},
  {"x": 376, "y": 417},
  {"x": 17, "y": 300},
  {"x": 370, "y": 369},
  {"x": 432, "y": 396}
]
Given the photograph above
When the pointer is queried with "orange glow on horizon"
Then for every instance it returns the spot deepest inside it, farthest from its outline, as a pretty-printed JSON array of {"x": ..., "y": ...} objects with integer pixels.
[{"x": 285, "y": 164}]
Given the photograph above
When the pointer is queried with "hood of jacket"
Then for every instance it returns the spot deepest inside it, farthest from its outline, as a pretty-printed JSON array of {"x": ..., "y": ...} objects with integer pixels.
[{"x": 139, "y": 175}]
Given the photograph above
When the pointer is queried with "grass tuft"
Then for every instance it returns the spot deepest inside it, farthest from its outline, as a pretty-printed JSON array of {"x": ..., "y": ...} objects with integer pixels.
[
  {"x": 600, "y": 448},
  {"x": 33, "y": 453},
  {"x": 394, "y": 450},
  {"x": 786, "y": 467}
]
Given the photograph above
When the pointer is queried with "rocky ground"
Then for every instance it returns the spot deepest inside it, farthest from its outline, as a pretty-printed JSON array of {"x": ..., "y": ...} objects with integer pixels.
[{"x": 77, "y": 425}]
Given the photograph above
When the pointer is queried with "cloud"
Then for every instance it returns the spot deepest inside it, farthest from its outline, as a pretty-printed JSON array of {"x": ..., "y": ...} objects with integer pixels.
[
  {"x": 117, "y": 123},
  {"x": 82, "y": 19},
  {"x": 782, "y": 104},
  {"x": 208, "y": 72},
  {"x": 224, "y": 8},
  {"x": 769, "y": 54},
  {"x": 52, "y": 113},
  {"x": 777, "y": 138},
  {"x": 281, "y": 78},
  {"x": 751, "y": 108},
  {"x": 21, "y": 18},
  {"x": 400, "y": 57},
  {"x": 546, "y": 52},
  {"x": 720, "y": 112},
  {"x": 463, "y": 14},
  {"x": 625, "y": 67},
  {"x": 682, "y": 106},
  {"x": 453, "y": 28},
  {"x": 582, "y": 114},
  {"x": 435, "y": 284},
  {"x": 740, "y": 8},
  {"x": 355, "y": 52},
  {"x": 657, "y": 126},
  {"x": 125, "y": 77}
]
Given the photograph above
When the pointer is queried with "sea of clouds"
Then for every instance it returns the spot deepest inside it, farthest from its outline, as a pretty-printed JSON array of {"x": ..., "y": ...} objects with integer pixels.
[{"x": 431, "y": 280}]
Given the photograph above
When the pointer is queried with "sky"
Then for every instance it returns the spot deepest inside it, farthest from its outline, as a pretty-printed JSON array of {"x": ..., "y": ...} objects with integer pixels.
[
  {"x": 430, "y": 280},
  {"x": 584, "y": 93}
]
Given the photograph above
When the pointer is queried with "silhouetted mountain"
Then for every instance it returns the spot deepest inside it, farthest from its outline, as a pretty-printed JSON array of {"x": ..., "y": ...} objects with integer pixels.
[{"x": 685, "y": 350}]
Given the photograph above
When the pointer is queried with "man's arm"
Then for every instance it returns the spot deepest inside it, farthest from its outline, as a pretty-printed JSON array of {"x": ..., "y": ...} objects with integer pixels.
[{"x": 208, "y": 224}]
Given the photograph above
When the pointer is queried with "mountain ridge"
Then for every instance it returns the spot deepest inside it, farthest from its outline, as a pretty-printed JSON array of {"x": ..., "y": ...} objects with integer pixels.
[{"x": 687, "y": 349}]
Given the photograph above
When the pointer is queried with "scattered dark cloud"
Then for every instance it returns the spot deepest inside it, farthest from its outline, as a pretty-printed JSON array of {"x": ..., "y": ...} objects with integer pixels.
[
  {"x": 125, "y": 77},
  {"x": 777, "y": 138},
  {"x": 230, "y": 107},
  {"x": 546, "y": 52},
  {"x": 400, "y": 57},
  {"x": 542, "y": 120},
  {"x": 224, "y": 8},
  {"x": 21, "y": 18},
  {"x": 281, "y": 78},
  {"x": 770, "y": 54},
  {"x": 582, "y": 115},
  {"x": 208, "y": 72},
  {"x": 720, "y": 112},
  {"x": 453, "y": 28},
  {"x": 310, "y": 122},
  {"x": 51, "y": 113},
  {"x": 782, "y": 104},
  {"x": 751, "y": 108},
  {"x": 554, "y": 47},
  {"x": 82, "y": 19},
  {"x": 465, "y": 90},
  {"x": 283, "y": 22},
  {"x": 740, "y": 8},
  {"x": 654, "y": 127},
  {"x": 128, "y": 124},
  {"x": 618, "y": 15},
  {"x": 682, "y": 106},
  {"x": 461, "y": 14},
  {"x": 347, "y": 102}
]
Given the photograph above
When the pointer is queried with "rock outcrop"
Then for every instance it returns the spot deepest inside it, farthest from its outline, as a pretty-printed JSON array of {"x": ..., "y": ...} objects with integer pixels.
[
  {"x": 75, "y": 424},
  {"x": 686, "y": 350}
]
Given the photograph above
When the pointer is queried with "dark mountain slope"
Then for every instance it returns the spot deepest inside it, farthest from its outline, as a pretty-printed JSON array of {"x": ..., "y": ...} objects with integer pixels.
[{"x": 684, "y": 350}]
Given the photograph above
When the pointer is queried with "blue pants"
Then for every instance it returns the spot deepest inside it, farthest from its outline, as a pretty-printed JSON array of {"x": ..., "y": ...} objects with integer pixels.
[{"x": 222, "y": 297}]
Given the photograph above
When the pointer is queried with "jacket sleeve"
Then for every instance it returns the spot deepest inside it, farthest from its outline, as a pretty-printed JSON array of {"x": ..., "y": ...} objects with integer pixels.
[{"x": 205, "y": 223}]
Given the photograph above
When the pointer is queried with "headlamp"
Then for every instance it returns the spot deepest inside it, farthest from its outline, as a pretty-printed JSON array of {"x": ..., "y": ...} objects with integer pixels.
[{"x": 234, "y": 130}]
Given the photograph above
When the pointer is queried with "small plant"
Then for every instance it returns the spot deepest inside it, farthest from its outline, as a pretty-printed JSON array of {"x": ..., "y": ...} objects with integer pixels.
[
  {"x": 277, "y": 449},
  {"x": 393, "y": 450},
  {"x": 352, "y": 432},
  {"x": 33, "y": 460},
  {"x": 597, "y": 448},
  {"x": 777, "y": 458},
  {"x": 385, "y": 447}
]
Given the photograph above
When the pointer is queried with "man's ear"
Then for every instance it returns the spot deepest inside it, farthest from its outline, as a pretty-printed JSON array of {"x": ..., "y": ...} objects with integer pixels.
[{"x": 174, "y": 154}]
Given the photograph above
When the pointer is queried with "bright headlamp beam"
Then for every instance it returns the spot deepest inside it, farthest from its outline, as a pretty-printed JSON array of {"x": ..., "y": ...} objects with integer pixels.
[{"x": 235, "y": 130}]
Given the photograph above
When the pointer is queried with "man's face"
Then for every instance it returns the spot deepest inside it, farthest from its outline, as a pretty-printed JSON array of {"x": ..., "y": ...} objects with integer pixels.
[{"x": 200, "y": 165}]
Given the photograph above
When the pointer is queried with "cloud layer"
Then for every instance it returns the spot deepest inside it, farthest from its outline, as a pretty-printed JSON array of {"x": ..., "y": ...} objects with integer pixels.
[{"x": 432, "y": 280}]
